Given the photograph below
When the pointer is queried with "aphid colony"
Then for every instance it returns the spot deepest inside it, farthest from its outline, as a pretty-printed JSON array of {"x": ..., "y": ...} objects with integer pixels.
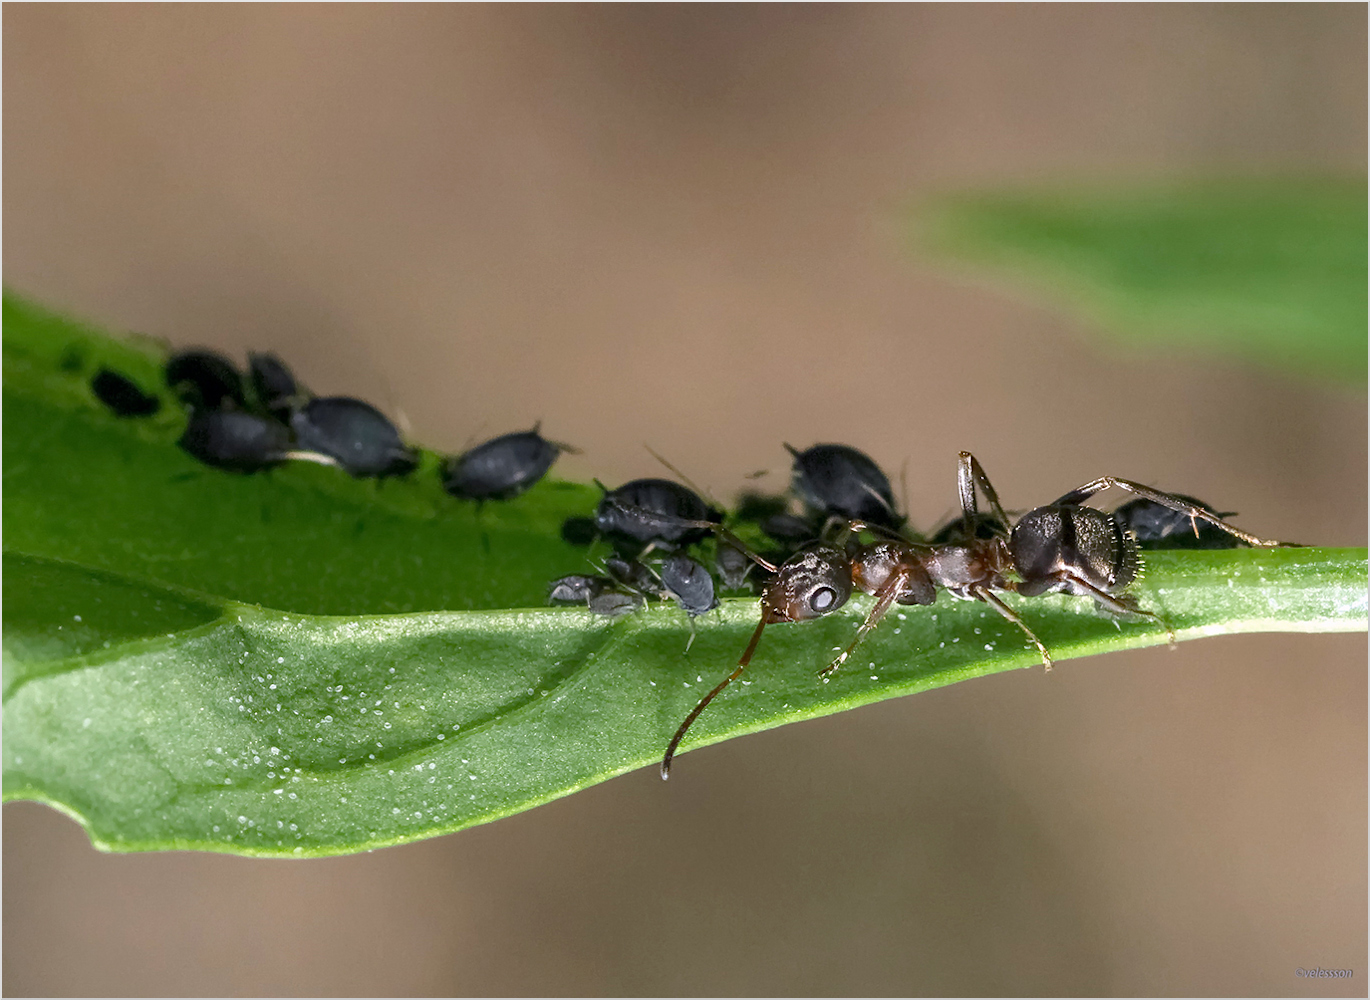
[
  {"x": 838, "y": 530},
  {"x": 246, "y": 423}
]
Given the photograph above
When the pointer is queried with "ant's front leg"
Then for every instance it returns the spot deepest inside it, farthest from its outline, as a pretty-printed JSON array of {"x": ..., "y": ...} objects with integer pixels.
[
  {"x": 884, "y": 600},
  {"x": 1082, "y": 493}
]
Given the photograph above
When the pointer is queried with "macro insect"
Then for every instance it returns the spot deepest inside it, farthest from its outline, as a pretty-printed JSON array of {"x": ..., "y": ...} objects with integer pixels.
[
  {"x": 122, "y": 395},
  {"x": 274, "y": 385},
  {"x": 502, "y": 468},
  {"x": 836, "y": 480},
  {"x": 600, "y": 594},
  {"x": 356, "y": 435},
  {"x": 235, "y": 440},
  {"x": 1062, "y": 547},
  {"x": 654, "y": 513}
]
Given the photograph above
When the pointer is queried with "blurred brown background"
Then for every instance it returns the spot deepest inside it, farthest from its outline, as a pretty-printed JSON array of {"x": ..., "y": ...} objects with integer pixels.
[{"x": 686, "y": 224}]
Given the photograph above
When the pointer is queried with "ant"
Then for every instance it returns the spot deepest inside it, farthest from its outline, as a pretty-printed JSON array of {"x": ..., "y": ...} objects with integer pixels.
[{"x": 1063, "y": 547}]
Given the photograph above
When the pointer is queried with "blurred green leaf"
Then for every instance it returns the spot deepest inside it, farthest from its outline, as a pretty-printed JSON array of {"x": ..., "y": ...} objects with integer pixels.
[
  {"x": 1268, "y": 269},
  {"x": 304, "y": 664}
]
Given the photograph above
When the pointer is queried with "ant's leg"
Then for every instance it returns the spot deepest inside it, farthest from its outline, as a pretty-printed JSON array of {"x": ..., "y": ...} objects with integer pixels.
[
  {"x": 884, "y": 599},
  {"x": 969, "y": 474},
  {"x": 875, "y": 529},
  {"x": 1122, "y": 608},
  {"x": 1082, "y": 493},
  {"x": 994, "y": 602},
  {"x": 718, "y": 530}
]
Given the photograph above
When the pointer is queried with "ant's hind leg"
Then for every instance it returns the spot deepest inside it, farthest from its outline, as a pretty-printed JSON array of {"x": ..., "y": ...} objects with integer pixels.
[
  {"x": 1123, "y": 608},
  {"x": 1082, "y": 493},
  {"x": 994, "y": 602},
  {"x": 969, "y": 474}
]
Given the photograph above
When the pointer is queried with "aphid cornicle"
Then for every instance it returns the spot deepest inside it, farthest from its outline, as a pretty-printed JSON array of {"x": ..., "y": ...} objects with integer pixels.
[
  {"x": 1063, "y": 547},
  {"x": 502, "y": 468},
  {"x": 356, "y": 435},
  {"x": 122, "y": 395},
  {"x": 205, "y": 380}
]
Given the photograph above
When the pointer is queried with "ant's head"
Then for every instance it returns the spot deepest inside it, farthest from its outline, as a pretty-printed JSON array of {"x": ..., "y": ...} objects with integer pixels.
[{"x": 810, "y": 584}]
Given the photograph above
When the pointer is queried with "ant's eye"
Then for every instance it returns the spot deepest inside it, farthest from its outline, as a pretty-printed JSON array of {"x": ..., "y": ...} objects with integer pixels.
[{"x": 822, "y": 599}]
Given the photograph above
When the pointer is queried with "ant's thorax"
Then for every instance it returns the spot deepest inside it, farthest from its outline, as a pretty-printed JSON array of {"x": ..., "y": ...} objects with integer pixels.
[{"x": 962, "y": 568}]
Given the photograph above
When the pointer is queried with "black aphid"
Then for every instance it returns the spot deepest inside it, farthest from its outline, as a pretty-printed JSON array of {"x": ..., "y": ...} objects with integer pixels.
[
  {"x": 835, "y": 480},
  {"x": 651, "y": 511},
  {"x": 575, "y": 589},
  {"x": 205, "y": 380},
  {"x": 356, "y": 435},
  {"x": 633, "y": 575},
  {"x": 756, "y": 507},
  {"x": 732, "y": 564},
  {"x": 274, "y": 384},
  {"x": 235, "y": 440},
  {"x": 789, "y": 529},
  {"x": 611, "y": 602},
  {"x": 1158, "y": 527},
  {"x": 689, "y": 584},
  {"x": 501, "y": 469},
  {"x": 122, "y": 395},
  {"x": 579, "y": 531},
  {"x": 597, "y": 593}
]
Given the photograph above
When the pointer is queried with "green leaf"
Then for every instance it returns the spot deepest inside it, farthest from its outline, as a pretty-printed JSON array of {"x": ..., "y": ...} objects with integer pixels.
[
  {"x": 408, "y": 681},
  {"x": 1271, "y": 269}
]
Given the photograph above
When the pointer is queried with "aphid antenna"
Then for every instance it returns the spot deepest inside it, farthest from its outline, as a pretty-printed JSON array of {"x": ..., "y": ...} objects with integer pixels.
[
  {"x": 904, "y": 485},
  {"x": 683, "y": 478},
  {"x": 474, "y": 436}
]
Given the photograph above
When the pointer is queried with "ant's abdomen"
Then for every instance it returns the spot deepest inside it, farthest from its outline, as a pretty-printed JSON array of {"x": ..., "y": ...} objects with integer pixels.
[{"x": 1055, "y": 545}]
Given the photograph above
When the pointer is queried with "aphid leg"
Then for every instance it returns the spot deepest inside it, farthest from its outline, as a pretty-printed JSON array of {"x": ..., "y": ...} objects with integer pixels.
[
  {"x": 703, "y": 702},
  {"x": 690, "y": 641},
  {"x": 993, "y": 600},
  {"x": 884, "y": 599},
  {"x": 1082, "y": 493},
  {"x": 969, "y": 474}
]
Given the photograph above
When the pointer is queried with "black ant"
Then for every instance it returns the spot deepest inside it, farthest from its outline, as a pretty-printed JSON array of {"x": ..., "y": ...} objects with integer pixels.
[{"x": 1063, "y": 547}]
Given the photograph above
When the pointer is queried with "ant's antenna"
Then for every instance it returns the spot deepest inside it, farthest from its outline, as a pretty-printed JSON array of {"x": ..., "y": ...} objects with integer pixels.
[{"x": 703, "y": 703}]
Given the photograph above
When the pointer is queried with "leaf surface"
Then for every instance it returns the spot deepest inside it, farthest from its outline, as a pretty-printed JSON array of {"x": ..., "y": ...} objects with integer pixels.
[{"x": 1271, "y": 269}]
